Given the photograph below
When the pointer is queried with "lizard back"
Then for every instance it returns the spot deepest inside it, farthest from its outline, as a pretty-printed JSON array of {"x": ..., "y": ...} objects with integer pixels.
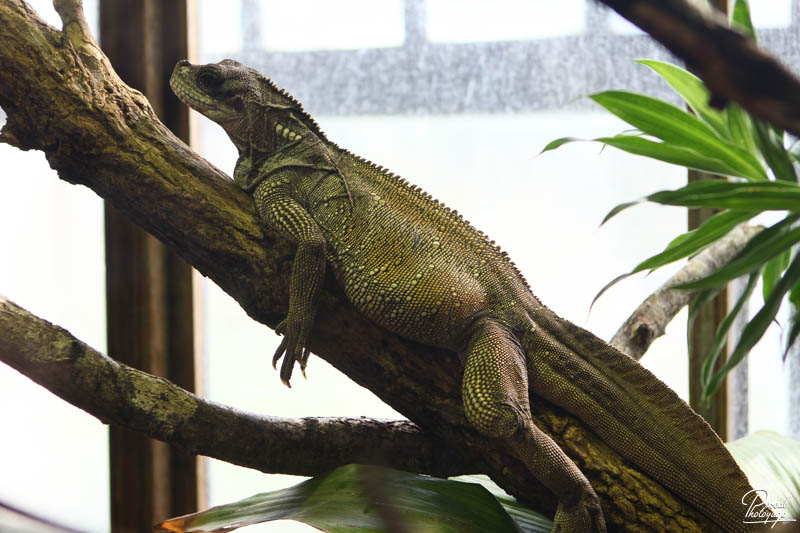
[{"x": 406, "y": 260}]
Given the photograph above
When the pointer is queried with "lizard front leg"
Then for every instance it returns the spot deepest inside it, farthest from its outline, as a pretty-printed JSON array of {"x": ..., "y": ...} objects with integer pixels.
[
  {"x": 284, "y": 214},
  {"x": 495, "y": 394}
]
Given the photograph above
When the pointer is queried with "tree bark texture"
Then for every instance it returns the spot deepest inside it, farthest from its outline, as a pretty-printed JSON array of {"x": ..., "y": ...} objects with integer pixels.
[{"x": 62, "y": 97}]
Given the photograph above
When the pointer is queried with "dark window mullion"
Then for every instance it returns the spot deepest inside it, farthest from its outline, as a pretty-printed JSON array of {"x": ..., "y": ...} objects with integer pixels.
[{"x": 149, "y": 288}]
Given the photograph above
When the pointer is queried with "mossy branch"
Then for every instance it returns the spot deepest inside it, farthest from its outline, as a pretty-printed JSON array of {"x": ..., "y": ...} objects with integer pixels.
[{"x": 118, "y": 394}]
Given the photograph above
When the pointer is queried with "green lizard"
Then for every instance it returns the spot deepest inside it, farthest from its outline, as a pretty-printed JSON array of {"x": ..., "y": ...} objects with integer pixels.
[{"x": 421, "y": 271}]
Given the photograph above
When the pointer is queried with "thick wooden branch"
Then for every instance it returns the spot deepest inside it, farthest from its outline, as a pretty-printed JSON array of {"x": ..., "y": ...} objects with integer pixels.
[
  {"x": 121, "y": 395},
  {"x": 731, "y": 66},
  {"x": 650, "y": 319},
  {"x": 62, "y": 97}
]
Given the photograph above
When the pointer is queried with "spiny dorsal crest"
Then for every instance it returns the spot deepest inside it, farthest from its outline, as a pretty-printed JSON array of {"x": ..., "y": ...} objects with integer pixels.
[{"x": 269, "y": 87}]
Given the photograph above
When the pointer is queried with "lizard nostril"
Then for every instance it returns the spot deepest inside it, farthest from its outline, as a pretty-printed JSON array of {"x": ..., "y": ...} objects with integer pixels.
[{"x": 183, "y": 63}]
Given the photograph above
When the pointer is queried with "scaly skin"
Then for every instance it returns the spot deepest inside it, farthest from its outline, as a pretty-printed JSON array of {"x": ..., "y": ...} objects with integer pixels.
[{"x": 419, "y": 270}]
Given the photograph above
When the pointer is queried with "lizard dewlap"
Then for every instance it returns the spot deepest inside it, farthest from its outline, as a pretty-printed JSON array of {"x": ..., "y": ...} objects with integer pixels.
[{"x": 421, "y": 271}]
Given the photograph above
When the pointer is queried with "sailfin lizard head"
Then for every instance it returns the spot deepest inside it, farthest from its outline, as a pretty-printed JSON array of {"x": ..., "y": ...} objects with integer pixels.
[{"x": 250, "y": 107}]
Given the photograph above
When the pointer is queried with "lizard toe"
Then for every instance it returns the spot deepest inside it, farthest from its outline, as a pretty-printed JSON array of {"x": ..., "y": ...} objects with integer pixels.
[
  {"x": 278, "y": 353},
  {"x": 286, "y": 370}
]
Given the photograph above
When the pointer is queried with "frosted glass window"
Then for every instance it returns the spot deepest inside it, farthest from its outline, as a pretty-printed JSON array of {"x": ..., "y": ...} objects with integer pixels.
[
  {"x": 771, "y": 13},
  {"x": 53, "y": 456},
  {"x": 218, "y": 27},
  {"x": 325, "y": 25},
  {"x": 503, "y": 20}
]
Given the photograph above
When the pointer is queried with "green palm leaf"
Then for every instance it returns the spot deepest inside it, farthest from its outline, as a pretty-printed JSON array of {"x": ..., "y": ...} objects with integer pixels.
[
  {"x": 721, "y": 194},
  {"x": 693, "y": 91},
  {"x": 675, "y": 154},
  {"x": 675, "y": 126},
  {"x": 693, "y": 241},
  {"x": 723, "y": 329},
  {"x": 757, "y": 326},
  {"x": 770, "y": 144},
  {"x": 767, "y": 244}
]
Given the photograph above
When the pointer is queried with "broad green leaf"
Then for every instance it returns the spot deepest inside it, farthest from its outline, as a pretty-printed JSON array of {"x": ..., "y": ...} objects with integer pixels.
[
  {"x": 724, "y": 327},
  {"x": 772, "y": 463},
  {"x": 674, "y": 125},
  {"x": 755, "y": 329},
  {"x": 693, "y": 91},
  {"x": 365, "y": 498},
  {"x": 740, "y": 19},
  {"x": 527, "y": 520},
  {"x": 770, "y": 144},
  {"x": 721, "y": 194},
  {"x": 693, "y": 241},
  {"x": 670, "y": 153},
  {"x": 765, "y": 245},
  {"x": 741, "y": 128}
]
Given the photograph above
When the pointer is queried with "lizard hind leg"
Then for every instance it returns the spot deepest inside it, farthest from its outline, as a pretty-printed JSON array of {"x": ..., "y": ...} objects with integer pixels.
[{"x": 495, "y": 395}]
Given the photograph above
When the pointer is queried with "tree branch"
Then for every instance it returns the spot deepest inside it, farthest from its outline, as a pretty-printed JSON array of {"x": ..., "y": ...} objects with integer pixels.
[
  {"x": 62, "y": 97},
  {"x": 650, "y": 319},
  {"x": 121, "y": 395},
  {"x": 731, "y": 66}
]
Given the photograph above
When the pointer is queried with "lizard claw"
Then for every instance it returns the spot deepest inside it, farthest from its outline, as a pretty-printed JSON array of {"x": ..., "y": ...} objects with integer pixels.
[
  {"x": 304, "y": 361},
  {"x": 286, "y": 369},
  {"x": 292, "y": 348},
  {"x": 278, "y": 353},
  {"x": 280, "y": 329}
]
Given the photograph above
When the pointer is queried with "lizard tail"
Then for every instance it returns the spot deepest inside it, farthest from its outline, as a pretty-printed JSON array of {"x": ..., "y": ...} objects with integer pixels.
[{"x": 637, "y": 415}]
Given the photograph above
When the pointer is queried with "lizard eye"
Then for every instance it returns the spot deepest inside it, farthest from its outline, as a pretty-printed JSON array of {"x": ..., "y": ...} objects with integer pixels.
[{"x": 208, "y": 79}]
